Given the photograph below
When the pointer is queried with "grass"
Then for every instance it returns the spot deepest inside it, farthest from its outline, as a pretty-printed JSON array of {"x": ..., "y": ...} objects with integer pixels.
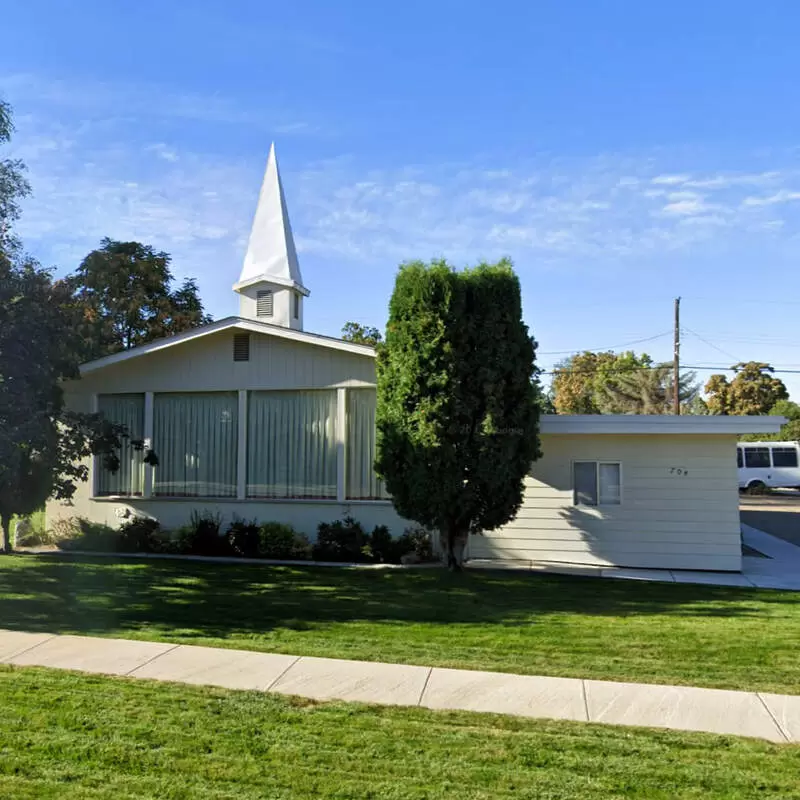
[
  {"x": 507, "y": 621},
  {"x": 69, "y": 736}
]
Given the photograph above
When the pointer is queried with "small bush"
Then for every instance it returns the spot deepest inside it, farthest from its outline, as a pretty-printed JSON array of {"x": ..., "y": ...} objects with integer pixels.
[
  {"x": 139, "y": 535},
  {"x": 384, "y": 548},
  {"x": 243, "y": 538},
  {"x": 78, "y": 533},
  {"x": 343, "y": 541},
  {"x": 203, "y": 537},
  {"x": 280, "y": 541},
  {"x": 417, "y": 541}
]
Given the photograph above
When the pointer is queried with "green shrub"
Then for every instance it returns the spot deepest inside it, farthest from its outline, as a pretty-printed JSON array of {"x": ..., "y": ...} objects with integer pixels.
[
  {"x": 417, "y": 541},
  {"x": 78, "y": 533},
  {"x": 343, "y": 541},
  {"x": 384, "y": 548},
  {"x": 243, "y": 538},
  {"x": 203, "y": 536},
  {"x": 280, "y": 541},
  {"x": 139, "y": 535}
]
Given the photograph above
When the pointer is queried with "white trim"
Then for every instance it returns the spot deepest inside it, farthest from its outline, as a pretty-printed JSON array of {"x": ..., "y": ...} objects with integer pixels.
[
  {"x": 331, "y": 501},
  {"x": 96, "y": 466},
  {"x": 241, "y": 452},
  {"x": 341, "y": 445},
  {"x": 239, "y": 323},
  {"x": 147, "y": 488},
  {"x": 271, "y": 279},
  {"x": 597, "y": 462},
  {"x": 657, "y": 424}
]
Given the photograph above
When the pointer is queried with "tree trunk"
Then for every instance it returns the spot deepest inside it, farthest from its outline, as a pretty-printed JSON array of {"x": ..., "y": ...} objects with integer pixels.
[
  {"x": 5, "y": 524},
  {"x": 455, "y": 542}
]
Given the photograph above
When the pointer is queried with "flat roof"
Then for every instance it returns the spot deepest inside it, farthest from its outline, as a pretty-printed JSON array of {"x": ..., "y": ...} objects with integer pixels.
[{"x": 658, "y": 424}]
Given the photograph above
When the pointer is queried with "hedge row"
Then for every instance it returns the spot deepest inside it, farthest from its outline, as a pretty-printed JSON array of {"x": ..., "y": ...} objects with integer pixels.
[{"x": 343, "y": 541}]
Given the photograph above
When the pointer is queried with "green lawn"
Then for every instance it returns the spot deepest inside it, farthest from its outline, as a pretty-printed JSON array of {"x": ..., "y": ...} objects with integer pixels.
[
  {"x": 507, "y": 621},
  {"x": 71, "y": 736}
]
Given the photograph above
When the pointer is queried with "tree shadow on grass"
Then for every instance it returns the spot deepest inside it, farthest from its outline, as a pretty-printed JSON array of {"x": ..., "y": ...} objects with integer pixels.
[{"x": 196, "y": 600}]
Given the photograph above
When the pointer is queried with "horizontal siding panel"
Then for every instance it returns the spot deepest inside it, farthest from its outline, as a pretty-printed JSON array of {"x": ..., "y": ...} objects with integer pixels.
[
  {"x": 521, "y": 535},
  {"x": 517, "y": 527},
  {"x": 531, "y": 547},
  {"x": 578, "y": 517}
]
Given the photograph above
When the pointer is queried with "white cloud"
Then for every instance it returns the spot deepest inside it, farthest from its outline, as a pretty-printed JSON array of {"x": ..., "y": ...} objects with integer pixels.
[
  {"x": 163, "y": 151},
  {"x": 670, "y": 180},
  {"x": 783, "y": 196}
]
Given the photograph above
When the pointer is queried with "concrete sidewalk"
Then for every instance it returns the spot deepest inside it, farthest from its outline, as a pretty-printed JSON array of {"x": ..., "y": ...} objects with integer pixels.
[{"x": 765, "y": 716}]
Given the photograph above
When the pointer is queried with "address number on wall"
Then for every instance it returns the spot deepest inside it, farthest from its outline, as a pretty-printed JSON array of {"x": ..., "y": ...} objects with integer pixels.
[{"x": 680, "y": 471}]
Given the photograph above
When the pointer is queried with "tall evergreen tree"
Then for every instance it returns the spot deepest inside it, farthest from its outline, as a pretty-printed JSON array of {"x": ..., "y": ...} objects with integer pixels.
[{"x": 458, "y": 406}]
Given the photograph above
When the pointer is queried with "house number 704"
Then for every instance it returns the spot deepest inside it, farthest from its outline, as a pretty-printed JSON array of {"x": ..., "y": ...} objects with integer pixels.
[{"x": 678, "y": 471}]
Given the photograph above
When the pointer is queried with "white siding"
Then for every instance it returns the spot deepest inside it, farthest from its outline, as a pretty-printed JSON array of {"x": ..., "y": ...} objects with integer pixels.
[
  {"x": 206, "y": 364},
  {"x": 665, "y": 520}
]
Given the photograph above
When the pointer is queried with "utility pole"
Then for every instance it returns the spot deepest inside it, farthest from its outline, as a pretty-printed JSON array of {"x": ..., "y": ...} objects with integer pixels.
[{"x": 676, "y": 361}]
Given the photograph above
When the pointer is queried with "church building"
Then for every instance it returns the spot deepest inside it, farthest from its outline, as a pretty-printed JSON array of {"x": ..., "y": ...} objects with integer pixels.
[{"x": 252, "y": 416}]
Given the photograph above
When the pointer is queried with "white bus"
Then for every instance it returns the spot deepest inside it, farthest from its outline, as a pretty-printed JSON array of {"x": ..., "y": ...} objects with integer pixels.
[{"x": 768, "y": 465}]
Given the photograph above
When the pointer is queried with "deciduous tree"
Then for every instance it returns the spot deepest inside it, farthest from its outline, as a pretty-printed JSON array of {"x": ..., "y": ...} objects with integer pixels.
[
  {"x": 646, "y": 391},
  {"x": 361, "y": 334},
  {"x": 458, "y": 407},
  {"x": 754, "y": 390},
  {"x": 122, "y": 297}
]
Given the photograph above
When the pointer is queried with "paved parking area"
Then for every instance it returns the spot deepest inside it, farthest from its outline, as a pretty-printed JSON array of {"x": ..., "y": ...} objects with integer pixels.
[{"x": 778, "y": 515}]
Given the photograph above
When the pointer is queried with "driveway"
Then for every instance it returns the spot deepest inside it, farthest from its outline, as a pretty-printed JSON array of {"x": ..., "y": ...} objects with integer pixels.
[{"x": 777, "y": 514}]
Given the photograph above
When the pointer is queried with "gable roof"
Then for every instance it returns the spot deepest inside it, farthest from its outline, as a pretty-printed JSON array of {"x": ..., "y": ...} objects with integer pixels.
[{"x": 238, "y": 323}]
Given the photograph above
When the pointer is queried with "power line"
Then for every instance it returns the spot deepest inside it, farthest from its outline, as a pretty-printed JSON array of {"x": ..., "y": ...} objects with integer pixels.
[
  {"x": 603, "y": 349},
  {"x": 711, "y": 344}
]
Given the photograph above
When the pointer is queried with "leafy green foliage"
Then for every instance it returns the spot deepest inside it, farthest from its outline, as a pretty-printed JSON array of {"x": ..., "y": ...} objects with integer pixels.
[
  {"x": 458, "y": 399},
  {"x": 203, "y": 536},
  {"x": 139, "y": 535},
  {"x": 280, "y": 541},
  {"x": 122, "y": 297},
  {"x": 243, "y": 538},
  {"x": 753, "y": 391},
  {"x": 646, "y": 391},
  {"x": 618, "y": 383},
  {"x": 361, "y": 334},
  {"x": 789, "y": 432},
  {"x": 344, "y": 540}
]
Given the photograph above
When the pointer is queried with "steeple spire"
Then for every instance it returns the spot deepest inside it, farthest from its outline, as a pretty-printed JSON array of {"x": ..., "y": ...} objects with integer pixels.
[{"x": 270, "y": 264}]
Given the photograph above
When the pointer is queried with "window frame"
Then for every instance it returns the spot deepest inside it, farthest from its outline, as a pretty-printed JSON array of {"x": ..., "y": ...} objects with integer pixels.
[
  {"x": 783, "y": 450},
  {"x": 597, "y": 463},
  {"x": 766, "y": 448}
]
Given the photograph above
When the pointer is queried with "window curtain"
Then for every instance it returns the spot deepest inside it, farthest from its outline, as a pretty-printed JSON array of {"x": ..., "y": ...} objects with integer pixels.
[
  {"x": 291, "y": 450},
  {"x": 362, "y": 482},
  {"x": 195, "y": 437},
  {"x": 127, "y": 410}
]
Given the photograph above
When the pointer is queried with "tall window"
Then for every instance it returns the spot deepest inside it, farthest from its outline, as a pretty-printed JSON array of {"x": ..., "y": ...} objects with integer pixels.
[
  {"x": 195, "y": 437},
  {"x": 291, "y": 445},
  {"x": 362, "y": 482},
  {"x": 296, "y": 302},
  {"x": 127, "y": 410},
  {"x": 596, "y": 483}
]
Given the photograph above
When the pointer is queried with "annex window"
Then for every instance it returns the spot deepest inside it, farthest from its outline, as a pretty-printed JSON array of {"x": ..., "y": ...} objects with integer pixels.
[
  {"x": 784, "y": 457},
  {"x": 127, "y": 410},
  {"x": 739, "y": 458},
  {"x": 264, "y": 303},
  {"x": 756, "y": 457},
  {"x": 241, "y": 347},
  {"x": 195, "y": 437},
  {"x": 596, "y": 483}
]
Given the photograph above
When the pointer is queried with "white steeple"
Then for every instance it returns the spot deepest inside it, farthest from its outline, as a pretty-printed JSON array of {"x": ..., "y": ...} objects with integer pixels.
[{"x": 270, "y": 286}]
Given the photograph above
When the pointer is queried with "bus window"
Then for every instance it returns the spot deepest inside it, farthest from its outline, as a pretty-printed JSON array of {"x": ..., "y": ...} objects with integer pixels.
[
  {"x": 739, "y": 457},
  {"x": 784, "y": 456},
  {"x": 756, "y": 456}
]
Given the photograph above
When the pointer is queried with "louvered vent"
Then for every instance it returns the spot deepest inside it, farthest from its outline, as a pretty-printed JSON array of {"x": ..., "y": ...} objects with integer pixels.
[
  {"x": 264, "y": 303},
  {"x": 241, "y": 347}
]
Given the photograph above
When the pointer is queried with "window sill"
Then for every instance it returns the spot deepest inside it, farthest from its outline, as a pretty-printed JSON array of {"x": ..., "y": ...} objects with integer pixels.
[{"x": 248, "y": 500}]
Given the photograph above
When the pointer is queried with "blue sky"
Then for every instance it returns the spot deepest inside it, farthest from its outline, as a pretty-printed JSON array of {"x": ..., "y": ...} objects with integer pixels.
[{"x": 620, "y": 153}]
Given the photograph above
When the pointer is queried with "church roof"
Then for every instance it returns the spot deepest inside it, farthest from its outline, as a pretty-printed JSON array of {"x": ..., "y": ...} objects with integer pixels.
[{"x": 271, "y": 255}]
